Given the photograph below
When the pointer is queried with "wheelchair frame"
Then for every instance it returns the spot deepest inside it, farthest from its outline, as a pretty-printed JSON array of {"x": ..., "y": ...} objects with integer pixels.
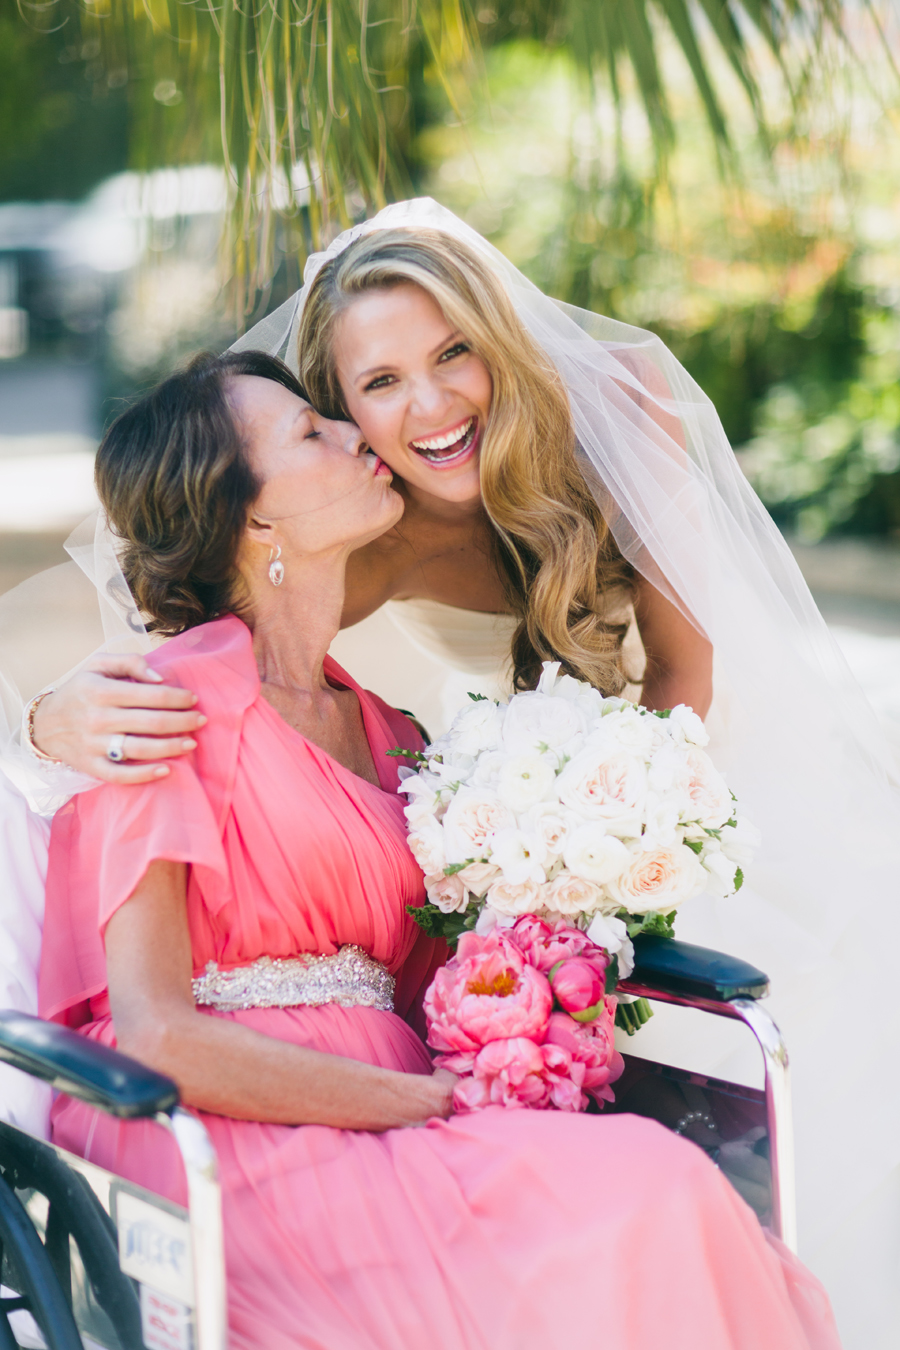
[{"x": 116, "y": 1268}]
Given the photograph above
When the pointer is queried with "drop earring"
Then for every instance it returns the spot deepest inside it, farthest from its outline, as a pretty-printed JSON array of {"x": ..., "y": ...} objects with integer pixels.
[{"x": 276, "y": 568}]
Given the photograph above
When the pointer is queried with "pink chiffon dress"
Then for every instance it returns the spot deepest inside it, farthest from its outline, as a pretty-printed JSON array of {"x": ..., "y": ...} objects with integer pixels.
[{"x": 499, "y": 1230}]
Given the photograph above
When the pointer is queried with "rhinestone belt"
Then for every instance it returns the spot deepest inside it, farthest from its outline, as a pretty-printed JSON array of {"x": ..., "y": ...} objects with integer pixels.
[{"x": 351, "y": 978}]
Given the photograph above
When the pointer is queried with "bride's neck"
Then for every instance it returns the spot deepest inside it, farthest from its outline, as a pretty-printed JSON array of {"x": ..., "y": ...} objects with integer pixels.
[
  {"x": 294, "y": 624},
  {"x": 426, "y": 507}
]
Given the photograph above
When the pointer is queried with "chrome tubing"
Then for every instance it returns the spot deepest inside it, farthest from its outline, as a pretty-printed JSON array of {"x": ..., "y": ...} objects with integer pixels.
[
  {"x": 207, "y": 1232},
  {"x": 778, "y": 1094},
  {"x": 781, "y": 1124}
]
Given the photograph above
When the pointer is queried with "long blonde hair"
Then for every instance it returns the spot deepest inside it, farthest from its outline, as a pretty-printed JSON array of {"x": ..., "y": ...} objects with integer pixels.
[{"x": 559, "y": 562}]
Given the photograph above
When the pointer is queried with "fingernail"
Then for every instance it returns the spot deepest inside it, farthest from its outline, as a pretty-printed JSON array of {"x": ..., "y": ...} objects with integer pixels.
[
  {"x": 201, "y": 720},
  {"x": 154, "y": 675},
  {"x": 193, "y": 698},
  {"x": 160, "y": 771},
  {"x": 188, "y": 744}
]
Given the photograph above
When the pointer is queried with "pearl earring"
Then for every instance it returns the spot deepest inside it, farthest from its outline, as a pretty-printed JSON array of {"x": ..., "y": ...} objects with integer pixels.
[{"x": 276, "y": 568}]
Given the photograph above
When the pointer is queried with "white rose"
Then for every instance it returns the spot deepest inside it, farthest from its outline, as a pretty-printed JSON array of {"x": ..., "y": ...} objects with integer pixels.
[
  {"x": 593, "y": 854},
  {"x": 720, "y": 872},
  {"x": 519, "y": 856},
  {"x": 710, "y": 801},
  {"x": 570, "y": 895},
  {"x": 477, "y": 877},
  {"x": 448, "y": 893},
  {"x": 487, "y": 769},
  {"x": 476, "y": 728},
  {"x": 740, "y": 842},
  {"x": 612, "y": 934},
  {"x": 508, "y": 898},
  {"x": 658, "y": 880},
  {"x": 549, "y": 822},
  {"x": 611, "y": 788},
  {"x": 660, "y": 823},
  {"x": 534, "y": 719},
  {"x": 473, "y": 817},
  {"x": 627, "y": 729},
  {"x": 525, "y": 780},
  {"x": 427, "y": 847},
  {"x": 668, "y": 770},
  {"x": 685, "y": 725}
]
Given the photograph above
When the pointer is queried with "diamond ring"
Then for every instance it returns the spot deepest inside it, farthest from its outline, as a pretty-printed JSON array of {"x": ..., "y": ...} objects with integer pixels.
[{"x": 116, "y": 748}]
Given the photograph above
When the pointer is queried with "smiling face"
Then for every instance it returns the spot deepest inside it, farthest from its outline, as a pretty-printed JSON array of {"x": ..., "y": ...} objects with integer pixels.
[
  {"x": 419, "y": 395},
  {"x": 321, "y": 491}
]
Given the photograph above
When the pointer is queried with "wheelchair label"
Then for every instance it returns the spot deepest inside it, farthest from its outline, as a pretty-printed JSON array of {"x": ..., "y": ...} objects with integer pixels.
[
  {"x": 155, "y": 1248},
  {"x": 165, "y": 1323}
]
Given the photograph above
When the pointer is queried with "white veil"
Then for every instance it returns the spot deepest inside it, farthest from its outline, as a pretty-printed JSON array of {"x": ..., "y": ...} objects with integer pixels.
[{"x": 792, "y": 730}]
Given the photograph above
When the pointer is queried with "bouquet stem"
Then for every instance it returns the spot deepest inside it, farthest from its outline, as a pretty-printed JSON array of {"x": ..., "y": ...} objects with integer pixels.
[{"x": 632, "y": 1016}]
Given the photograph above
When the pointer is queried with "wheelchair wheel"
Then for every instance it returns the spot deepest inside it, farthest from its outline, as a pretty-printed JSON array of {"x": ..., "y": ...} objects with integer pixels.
[{"x": 41, "y": 1294}]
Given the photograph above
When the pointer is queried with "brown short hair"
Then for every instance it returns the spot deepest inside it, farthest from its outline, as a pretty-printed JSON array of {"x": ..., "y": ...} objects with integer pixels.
[{"x": 174, "y": 479}]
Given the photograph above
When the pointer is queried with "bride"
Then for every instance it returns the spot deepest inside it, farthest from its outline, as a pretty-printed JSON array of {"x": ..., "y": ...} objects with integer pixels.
[
  {"x": 283, "y": 835},
  {"x": 493, "y": 545}
]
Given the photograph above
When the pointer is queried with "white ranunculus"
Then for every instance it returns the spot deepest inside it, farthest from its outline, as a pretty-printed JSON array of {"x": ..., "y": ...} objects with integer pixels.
[
  {"x": 659, "y": 880},
  {"x": 593, "y": 854},
  {"x": 710, "y": 801},
  {"x": 612, "y": 934},
  {"x": 519, "y": 856},
  {"x": 476, "y": 728},
  {"x": 609, "y": 787},
  {"x": 533, "y": 720},
  {"x": 720, "y": 872},
  {"x": 453, "y": 769},
  {"x": 685, "y": 725},
  {"x": 471, "y": 820},
  {"x": 740, "y": 842},
  {"x": 477, "y": 877},
  {"x": 511, "y": 899},
  {"x": 489, "y": 919},
  {"x": 427, "y": 847},
  {"x": 668, "y": 770},
  {"x": 525, "y": 780},
  {"x": 571, "y": 895},
  {"x": 448, "y": 893}
]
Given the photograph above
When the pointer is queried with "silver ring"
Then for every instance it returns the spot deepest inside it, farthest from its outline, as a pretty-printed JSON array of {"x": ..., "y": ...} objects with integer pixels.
[{"x": 116, "y": 748}]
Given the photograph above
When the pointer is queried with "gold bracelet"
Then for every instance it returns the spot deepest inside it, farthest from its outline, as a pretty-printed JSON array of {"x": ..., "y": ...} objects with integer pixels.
[{"x": 29, "y": 727}]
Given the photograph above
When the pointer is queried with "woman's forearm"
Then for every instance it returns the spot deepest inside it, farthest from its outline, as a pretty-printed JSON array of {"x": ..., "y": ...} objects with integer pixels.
[{"x": 231, "y": 1070}]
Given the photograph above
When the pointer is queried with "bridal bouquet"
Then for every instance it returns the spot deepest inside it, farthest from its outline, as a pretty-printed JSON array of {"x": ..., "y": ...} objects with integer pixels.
[
  {"x": 570, "y": 806},
  {"x": 522, "y": 1015}
]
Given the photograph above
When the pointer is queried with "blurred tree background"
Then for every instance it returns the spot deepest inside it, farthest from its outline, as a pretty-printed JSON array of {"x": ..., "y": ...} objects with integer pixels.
[{"x": 724, "y": 173}]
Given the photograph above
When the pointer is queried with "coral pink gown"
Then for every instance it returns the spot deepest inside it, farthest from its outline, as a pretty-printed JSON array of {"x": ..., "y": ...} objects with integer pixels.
[{"x": 501, "y": 1230}]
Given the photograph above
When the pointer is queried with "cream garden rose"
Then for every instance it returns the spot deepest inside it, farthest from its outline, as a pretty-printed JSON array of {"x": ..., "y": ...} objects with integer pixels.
[{"x": 659, "y": 879}]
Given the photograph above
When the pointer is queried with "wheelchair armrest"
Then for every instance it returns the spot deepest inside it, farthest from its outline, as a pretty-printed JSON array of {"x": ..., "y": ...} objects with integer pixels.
[
  {"x": 679, "y": 968},
  {"x": 75, "y": 1065}
]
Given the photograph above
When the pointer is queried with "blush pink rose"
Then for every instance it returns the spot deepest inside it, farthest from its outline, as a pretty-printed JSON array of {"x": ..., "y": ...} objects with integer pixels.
[
  {"x": 591, "y": 1045},
  {"x": 487, "y": 992},
  {"x": 543, "y": 944}
]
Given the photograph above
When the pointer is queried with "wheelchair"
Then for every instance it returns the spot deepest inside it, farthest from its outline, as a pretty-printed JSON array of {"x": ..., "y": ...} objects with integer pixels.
[{"x": 89, "y": 1260}]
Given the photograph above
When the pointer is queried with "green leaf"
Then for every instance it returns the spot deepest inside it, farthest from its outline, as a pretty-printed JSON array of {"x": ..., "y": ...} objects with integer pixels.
[
  {"x": 479, "y": 698},
  {"x": 662, "y": 713},
  {"x": 695, "y": 845},
  {"x": 738, "y": 879},
  {"x": 654, "y": 924},
  {"x": 435, "y": 923},
  {"x": 612, "y": 975}
]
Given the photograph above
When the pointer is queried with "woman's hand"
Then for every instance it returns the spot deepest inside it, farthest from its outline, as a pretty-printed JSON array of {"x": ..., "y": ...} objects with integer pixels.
[{"x": 117, "y": 695}]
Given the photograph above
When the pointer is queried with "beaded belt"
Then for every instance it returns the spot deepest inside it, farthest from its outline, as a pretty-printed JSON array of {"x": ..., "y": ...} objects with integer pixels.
[{"x": 351, "y": 978}]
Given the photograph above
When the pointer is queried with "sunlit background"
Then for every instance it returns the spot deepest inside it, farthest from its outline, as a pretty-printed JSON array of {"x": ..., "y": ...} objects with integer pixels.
[{"x": 768, "y": 259}]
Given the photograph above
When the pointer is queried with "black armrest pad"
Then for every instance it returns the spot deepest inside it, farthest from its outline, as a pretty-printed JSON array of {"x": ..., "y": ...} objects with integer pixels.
[
  {"x": 679, "y": 968},
  {"x": 93, "y": 1073}
]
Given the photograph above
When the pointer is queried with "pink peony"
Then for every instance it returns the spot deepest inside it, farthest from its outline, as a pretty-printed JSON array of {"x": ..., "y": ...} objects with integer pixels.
[
  {"x": 506, "y": 1073},
  {"x": 578, "y": 985},
  {"x": 487, "y": 992},
  {"x": 592, "y": 1045},
  {"x": 543, "y": 944}
]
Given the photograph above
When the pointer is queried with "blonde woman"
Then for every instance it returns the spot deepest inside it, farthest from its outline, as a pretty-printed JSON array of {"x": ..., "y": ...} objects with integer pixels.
[{"x": 555, "y": 465}]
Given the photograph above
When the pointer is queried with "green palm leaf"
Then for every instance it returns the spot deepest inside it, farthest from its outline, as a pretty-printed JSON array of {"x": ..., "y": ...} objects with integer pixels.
[{"x": 313, "y": 105}]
